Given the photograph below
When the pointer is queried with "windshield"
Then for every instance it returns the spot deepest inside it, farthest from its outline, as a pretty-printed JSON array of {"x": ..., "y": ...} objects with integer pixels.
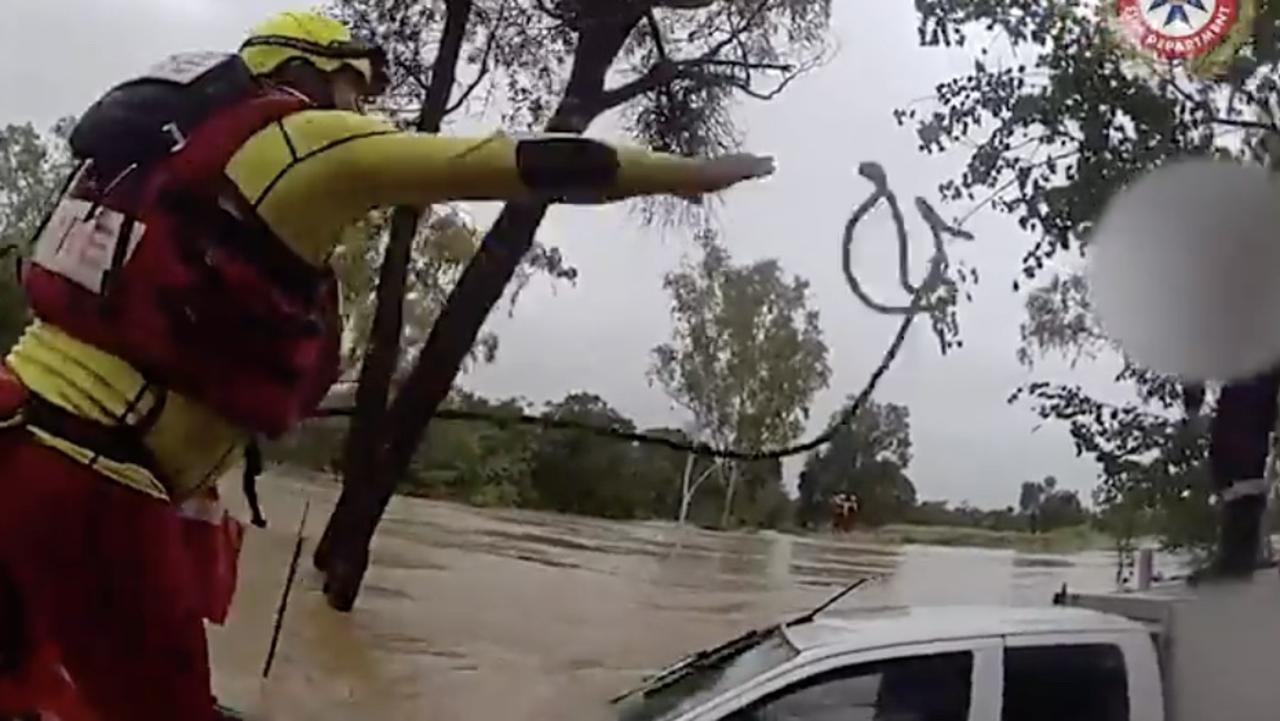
[{"x": 699, "y": 684}]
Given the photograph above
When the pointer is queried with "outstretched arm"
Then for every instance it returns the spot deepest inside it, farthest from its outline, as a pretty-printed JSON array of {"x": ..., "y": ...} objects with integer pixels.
[{"x": 320, "y": 170}]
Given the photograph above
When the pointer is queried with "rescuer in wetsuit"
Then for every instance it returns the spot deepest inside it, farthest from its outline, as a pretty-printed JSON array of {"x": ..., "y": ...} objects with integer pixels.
[{"x": 183, "y": 301}]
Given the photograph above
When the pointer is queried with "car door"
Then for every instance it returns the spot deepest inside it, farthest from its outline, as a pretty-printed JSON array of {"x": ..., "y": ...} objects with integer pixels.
[
  {"x": 940, "y": 681},
  {"x": 1078, "y": 677}
]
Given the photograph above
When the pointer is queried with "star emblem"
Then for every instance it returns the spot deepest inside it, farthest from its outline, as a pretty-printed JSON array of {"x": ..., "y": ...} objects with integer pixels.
[{"x": 1177, "y": 10}]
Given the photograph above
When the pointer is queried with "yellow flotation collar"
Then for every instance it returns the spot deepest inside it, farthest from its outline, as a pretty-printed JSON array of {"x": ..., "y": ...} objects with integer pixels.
[{"x": 189, "y": 445}]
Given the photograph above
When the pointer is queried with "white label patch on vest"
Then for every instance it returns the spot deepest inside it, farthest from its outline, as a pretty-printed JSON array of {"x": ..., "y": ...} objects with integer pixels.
[
  {"x": 184, "y": 68},
  {"x": 80, "y": 241}
]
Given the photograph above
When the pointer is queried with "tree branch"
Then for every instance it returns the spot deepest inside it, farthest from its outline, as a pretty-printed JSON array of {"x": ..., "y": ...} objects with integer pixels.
[
  {"x": 733, "y": 35},
  {"x": 444, "y": 69},
  {"x": 1247, "y": 124},
  {"x": 744, "y": 86},
  {"x": 549, "y": 12},
  {"x": 484, "y": 63},
  {"x": 684, "y": 4},
  {"x": 1011, "y": 182},
  {"x": 663, "y": 73},
  {"x": 746, "y": 65},
  {"x": 655, "y": 31},
  {"x": 666, "y": 70}
]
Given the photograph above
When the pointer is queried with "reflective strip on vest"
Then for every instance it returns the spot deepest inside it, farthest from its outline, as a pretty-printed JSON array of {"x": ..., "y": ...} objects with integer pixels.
[
  {"x": 191, "y": 445},
  {"x": 133, "y": 476}
]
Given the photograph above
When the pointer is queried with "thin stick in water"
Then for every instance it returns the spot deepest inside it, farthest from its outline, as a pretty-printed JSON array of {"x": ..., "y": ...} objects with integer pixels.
[{"x": 284, "y": 597}]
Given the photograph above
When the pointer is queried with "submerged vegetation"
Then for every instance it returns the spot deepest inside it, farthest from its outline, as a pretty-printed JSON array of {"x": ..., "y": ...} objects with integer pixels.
[{"x": 586, "y": 473}]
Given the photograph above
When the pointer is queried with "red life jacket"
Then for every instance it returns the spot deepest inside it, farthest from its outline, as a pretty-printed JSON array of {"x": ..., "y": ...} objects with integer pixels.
[{"x": 154, "y": 256}]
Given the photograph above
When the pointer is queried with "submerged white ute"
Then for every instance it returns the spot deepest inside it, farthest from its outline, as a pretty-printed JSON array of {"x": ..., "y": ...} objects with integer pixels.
[{"x": 1171, "y": 653}]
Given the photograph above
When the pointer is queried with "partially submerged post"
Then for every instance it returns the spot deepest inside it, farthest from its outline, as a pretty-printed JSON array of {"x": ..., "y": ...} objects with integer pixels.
[{"x": 1146, "y": 563}]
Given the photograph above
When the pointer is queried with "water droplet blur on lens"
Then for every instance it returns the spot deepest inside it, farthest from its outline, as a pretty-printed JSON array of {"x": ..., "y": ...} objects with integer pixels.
[{"x": 1184, "y": 270}]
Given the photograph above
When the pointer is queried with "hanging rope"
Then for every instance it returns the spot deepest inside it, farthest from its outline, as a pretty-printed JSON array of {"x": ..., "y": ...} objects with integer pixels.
[{"x": 925, "y": 298}]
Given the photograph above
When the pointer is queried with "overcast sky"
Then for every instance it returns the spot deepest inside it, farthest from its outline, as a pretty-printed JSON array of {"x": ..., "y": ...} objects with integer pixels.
[{"x": 596, "y": 336}]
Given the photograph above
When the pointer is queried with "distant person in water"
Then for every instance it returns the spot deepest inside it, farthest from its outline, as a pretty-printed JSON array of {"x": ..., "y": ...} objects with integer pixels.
[{"x": 845, "y": 512}]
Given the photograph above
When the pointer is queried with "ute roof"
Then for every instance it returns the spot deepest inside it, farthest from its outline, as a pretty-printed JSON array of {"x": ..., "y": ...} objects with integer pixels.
[{"x": 890, "y": 626}]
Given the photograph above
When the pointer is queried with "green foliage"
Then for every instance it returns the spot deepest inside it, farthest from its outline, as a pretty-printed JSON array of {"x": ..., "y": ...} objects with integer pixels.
[
  {"x": 940, "y": 513},
  {"x": 315, "y": 445},
  {"x": 580, "y": 473},
  {"x": 1052, "y": 129},
  {"x": 1055, "y": 126},
  {"x": 656, "y": 472},
  {"x": 520, "y": 51},
  {"x": 489, "y": 464},
  {"x": 446, "y": 240},
  {"x": 477, "y": 462},
  {"x": 868, "y": 457},
  {"x": 676, "y": 75},
  {"x": 517, "y": 465},
  {"x": 746, "y": 355},
  {"x": 551, "y": 65},
  {"x": 1047, "y": 507},
  {"x": 33, "y": 168},
  {"x": 973, "y": 530},
  {"x": 762, "y": 502}
]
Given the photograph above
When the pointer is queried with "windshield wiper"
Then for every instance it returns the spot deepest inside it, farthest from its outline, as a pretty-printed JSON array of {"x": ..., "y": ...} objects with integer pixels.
[
  {"x": 807, "y": 617},
  {"x": 701, "y": 659},
  {"x": 732, "y": 648}
]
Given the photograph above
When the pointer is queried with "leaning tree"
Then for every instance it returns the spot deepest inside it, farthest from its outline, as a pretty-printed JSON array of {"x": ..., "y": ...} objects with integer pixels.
[{"x": 672, "y": 68}]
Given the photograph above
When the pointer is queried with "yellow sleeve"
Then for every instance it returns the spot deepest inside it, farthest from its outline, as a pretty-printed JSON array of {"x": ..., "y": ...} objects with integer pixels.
[{"x": 317, "y": 171}]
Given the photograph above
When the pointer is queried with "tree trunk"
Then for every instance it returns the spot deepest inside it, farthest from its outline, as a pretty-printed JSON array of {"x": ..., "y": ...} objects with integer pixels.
[
  {"x": 360, "y": 450},
  {"x": 728, "y": 495},
  {"x": 686, "y": 498},
  {"x": 685, "y": 494},
  {"x": 482, "y": 284},
  {"x": 360, "y": 454}
]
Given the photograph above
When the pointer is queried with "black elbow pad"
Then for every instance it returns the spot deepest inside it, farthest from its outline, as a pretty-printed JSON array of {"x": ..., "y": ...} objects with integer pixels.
[{"x": 566, "y": 165}]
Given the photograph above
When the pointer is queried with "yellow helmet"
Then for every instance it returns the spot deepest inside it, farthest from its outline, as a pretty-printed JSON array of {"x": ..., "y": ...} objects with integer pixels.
[{"x": 322, "y": 41}]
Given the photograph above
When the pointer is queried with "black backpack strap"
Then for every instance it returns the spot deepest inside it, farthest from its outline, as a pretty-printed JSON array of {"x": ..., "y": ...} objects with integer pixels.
[{"x": 143, "y": 120}]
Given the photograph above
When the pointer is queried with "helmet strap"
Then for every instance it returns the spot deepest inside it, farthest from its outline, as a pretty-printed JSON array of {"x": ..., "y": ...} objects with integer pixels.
[
  {"x": 350, "y": 50},
  {"x": 300, "y": 75}
]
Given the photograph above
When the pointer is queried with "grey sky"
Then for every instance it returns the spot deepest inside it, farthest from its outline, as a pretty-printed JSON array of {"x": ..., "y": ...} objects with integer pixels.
[{"x": 969, "y": 445}]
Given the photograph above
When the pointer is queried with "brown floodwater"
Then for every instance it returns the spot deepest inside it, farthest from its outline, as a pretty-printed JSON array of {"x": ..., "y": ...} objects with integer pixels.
[{"x": 477, "y": 615}]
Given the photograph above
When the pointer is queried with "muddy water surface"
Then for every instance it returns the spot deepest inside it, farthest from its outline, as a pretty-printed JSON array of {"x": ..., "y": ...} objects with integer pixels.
[{"x": 480, "y": 615}]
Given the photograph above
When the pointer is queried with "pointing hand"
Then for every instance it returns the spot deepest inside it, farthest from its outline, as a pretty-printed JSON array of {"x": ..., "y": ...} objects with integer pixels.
[{"x": 715, "y": 174}]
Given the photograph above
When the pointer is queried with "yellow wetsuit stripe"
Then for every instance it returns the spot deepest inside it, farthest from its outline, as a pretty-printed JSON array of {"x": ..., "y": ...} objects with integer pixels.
[{"x": 317, "y": 171}]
